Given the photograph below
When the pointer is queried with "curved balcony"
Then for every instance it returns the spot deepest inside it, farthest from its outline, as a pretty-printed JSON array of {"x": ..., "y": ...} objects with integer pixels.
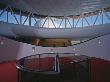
[{"x": 55, "y": 67}]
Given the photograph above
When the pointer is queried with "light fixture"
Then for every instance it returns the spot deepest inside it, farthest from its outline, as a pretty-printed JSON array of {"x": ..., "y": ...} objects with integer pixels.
[
  {"x": 99, "y": 42},
  {"x": 51, "y": 51},
  {"x": 33, "y": 49},
  {"x": 73, "y": 49},
  {"x": 1, "y": 41},
  {"x": 75, "y": 54}
]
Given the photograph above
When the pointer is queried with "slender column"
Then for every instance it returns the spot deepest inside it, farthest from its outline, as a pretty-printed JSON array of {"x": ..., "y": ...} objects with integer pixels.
[
  {"x": 82, "y": 22},
  {"x": 30, "y": 20},
  {"x": 65, "y": 23},
  {"x": 7, "y": 16},
  {"x": 20, "y": 17},
  {"x": 73, "y": 22},
  {"x": 102, "y": 17}
]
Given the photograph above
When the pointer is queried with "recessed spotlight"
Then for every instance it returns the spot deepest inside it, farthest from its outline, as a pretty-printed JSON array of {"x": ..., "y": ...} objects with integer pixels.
[
  {"x": 75, "y": 54},
  {"x": 73, "y": 49},
  {"x": 1, "y": 43},
  {"x": 51, "y": 51},
  {"x": 99, "y": 42},
  {"x": 33, "y": 49}
]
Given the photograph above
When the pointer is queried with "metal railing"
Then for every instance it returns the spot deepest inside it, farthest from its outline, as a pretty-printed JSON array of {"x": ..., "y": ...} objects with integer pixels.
[{"x": 59, "y": 67}]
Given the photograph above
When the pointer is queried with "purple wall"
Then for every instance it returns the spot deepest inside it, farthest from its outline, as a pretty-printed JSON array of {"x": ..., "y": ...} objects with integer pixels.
[{"x": 99, "y": 47}]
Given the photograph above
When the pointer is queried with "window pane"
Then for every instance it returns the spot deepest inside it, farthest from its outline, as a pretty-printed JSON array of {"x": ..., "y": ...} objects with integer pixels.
[
  {"x": 33, "y": 22},
  {"x": 11, "y": 18},
  {"x": 26, "y": 22},
  {"x": 18, "y": 18},
  {"x": 105, "y": 18},
  {"x": 69, "y": 23},
  {"x": 3, "y": 17}
]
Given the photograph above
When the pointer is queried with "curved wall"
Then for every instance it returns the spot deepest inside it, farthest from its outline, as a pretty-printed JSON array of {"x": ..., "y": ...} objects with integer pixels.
[{"x": 99, "y": 47}]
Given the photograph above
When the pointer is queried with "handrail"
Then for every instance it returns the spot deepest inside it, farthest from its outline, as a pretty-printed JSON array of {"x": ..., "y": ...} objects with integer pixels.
[
  {"x": 60, "y": 73},
  {"x": 20, "y": 65}
]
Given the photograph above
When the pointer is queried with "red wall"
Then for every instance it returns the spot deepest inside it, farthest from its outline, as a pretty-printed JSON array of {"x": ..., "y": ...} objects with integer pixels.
[
  {"x": 100, "y": 70},
  {"x": 8, "y": 72}
]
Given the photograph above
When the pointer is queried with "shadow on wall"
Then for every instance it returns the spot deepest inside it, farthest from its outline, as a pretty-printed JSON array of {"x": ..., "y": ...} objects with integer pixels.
[{"x": 9, "y": 49}]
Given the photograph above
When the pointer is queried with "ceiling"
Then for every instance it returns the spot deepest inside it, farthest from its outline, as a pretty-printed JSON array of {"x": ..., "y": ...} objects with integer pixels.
[
  {"x": 58, "y": 7},
  {"x": 13, "y": 30}
]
